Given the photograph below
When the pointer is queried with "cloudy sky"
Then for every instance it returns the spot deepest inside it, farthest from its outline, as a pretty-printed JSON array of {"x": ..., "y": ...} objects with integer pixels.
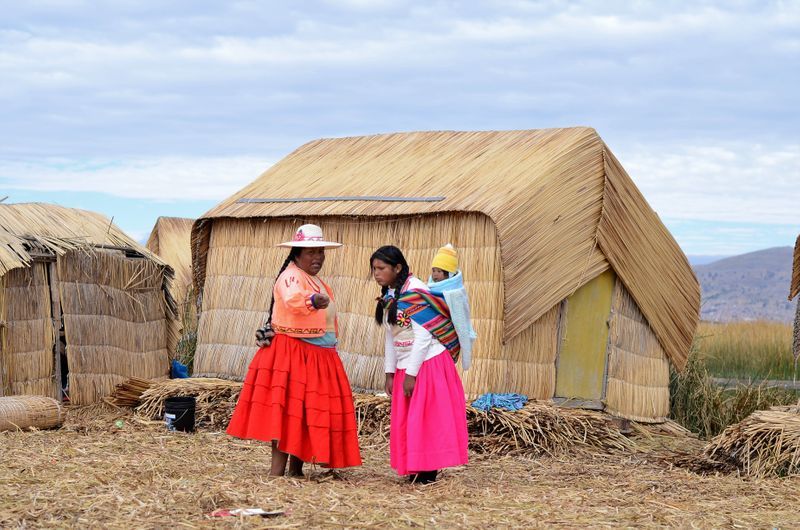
[{"x": 143, "y": 108}]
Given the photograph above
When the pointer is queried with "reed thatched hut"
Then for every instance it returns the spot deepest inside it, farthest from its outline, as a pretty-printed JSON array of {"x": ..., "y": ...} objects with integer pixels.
[
  {"x": 579, "y": 292},
  {"x": 794, "y": 289},
  {"x": 79, "y": 301},
  {"x": 170, "y": 240}
]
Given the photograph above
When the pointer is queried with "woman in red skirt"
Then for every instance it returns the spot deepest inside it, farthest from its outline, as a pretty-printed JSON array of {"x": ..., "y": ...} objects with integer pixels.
[{"x": 296, "y": 393}]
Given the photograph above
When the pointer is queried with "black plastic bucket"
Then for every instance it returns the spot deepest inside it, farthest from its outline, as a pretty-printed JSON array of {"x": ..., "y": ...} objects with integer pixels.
[{"x": 179, "y": 413}]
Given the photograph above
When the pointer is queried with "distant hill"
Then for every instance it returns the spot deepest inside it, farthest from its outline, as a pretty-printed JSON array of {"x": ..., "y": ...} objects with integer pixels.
[
  {"x": 750, "y": 286},
  {"x": 696, "y": 260}
]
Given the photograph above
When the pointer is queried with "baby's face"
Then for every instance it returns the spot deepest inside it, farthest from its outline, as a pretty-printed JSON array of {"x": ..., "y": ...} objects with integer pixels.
[{"x": 437, "y": 274}]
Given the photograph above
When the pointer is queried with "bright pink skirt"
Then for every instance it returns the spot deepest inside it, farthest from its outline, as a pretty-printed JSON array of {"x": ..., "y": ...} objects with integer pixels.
[
  {"x": 429, "y": 429},
  {"x": 298, "y": 394}
]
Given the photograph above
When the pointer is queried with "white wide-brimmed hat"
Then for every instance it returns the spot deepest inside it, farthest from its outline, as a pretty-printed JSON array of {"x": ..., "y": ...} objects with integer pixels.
[{"x": 309, "y": 236}]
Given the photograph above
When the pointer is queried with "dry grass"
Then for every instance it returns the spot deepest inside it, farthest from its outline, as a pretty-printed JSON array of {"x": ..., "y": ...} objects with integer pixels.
[
  {"x": 92, "y": 473},
  {"x": 706, "y": 408},
  {"x": 748, "y": 350}
]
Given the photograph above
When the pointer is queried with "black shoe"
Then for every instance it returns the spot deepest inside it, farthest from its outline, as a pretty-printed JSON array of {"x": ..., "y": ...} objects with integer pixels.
[{"x": 426, "y": 477}]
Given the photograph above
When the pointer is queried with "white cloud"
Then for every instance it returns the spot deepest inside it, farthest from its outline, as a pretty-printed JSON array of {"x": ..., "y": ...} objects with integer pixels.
[
  {"x": 728, "y": 182},
  {"x": 171, "y": 178}
]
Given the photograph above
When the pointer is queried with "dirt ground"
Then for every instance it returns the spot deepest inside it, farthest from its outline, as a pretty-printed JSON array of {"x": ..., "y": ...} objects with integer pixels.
[{"x": 91, "y": 473}]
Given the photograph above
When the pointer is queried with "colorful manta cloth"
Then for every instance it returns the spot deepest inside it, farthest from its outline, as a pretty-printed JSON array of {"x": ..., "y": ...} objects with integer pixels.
[{"x": 429, "y": 310}]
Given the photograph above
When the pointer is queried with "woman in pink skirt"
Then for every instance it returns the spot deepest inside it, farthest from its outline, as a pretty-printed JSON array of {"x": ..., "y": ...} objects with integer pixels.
[{"x": 428, "y": 422}]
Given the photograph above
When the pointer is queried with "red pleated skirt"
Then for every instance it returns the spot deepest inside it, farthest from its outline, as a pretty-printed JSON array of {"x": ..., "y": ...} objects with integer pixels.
[{"x": 298, "y": 394}]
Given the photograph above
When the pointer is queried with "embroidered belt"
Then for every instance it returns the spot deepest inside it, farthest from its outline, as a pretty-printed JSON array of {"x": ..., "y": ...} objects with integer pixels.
[{"x": 297, "y": 331}]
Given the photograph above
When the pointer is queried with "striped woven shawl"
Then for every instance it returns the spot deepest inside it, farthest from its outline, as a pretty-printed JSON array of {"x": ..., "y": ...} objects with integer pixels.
[{"x": 429, "y": 310}]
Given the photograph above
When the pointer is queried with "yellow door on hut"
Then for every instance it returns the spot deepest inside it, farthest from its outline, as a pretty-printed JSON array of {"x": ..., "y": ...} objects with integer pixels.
[{"x": 582, "y": 354}]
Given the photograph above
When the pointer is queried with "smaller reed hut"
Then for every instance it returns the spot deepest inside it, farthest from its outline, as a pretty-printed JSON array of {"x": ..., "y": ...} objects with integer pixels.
[
  {"x": 171, "y": 241},
  {"x": 82, "y": 305},
  {"x": 794, "y": 289},
  {"x": 579, "y": 292}
]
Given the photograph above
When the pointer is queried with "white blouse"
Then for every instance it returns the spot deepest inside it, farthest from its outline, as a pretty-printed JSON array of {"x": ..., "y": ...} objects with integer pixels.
[{"x": 409, "y": 345}]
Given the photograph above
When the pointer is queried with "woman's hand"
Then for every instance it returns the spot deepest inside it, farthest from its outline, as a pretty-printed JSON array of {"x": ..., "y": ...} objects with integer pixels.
[
  {"x": 321, "y": 301},
  {"x": 408, "y": 385},
  {"x": 389, "y": 384}
]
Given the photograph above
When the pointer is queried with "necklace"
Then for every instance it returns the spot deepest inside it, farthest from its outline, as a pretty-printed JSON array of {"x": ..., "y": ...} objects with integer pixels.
[{"x": 314, "y": 285}]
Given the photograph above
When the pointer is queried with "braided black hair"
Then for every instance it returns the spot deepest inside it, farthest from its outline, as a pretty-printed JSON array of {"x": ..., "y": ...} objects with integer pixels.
[
  {"x": 290, "y": 258},
  {"x": 393, "y": 256}
]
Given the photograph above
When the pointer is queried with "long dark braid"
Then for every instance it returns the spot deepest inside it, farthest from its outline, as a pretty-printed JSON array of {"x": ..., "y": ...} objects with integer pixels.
[
  {"x": 393, "y": 256},
  {"x": 290, "y": 258}
]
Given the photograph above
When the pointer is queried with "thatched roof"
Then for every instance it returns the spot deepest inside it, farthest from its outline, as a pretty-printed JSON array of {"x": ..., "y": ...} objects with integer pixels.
[
  {"x": 170, "y": 240},
  {"x": 795, "y": 287},
  {"x": 564, "y": 210},
  {"x": 27, "y": 229}
]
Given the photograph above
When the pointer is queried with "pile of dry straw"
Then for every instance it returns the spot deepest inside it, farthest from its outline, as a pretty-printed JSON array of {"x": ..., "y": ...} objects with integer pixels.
[
  {"x": 765, "y": 443},
  {"x": 538, "y": 428}
]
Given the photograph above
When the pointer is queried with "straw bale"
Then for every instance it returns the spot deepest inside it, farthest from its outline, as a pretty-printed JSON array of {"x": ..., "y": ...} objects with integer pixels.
[
  {"x": 766, "y": 443},
  {"x": 650, "y": 263},
  {"x": 26, "y": 412},
  {"x": 638, "y": 369},
  {"x": 115, "y": 320},
  {"x": 26, "y": 346}
]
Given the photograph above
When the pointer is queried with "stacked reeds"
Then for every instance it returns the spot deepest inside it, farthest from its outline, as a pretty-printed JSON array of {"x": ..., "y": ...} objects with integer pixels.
[
  {"x": 765, "y": 443},
  {"x": 27, "y": 412},
  {"x": 129, "y": 392},
  {"x": 215, "y": 399},
  {"x": 537, "y": 428}
]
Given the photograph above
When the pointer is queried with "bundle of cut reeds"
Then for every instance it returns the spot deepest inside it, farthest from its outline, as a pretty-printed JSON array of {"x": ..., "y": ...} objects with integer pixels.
[
  {"x": 766, "y": 443},
  {"x": 26, "y": 412},
  {"x": 129, "y": 392},
  {"x": 542, "y": 428},
  {"x": 536, "y": 428},
  {"x": 215, "y": 399}
]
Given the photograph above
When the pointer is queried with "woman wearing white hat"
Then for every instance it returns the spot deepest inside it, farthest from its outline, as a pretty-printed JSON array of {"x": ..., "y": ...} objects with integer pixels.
[{"x": 296, "y": 393}]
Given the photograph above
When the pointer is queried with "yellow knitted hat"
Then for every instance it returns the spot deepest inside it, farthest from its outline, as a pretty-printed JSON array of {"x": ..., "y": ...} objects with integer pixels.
[{"x": 446, "y": 259}]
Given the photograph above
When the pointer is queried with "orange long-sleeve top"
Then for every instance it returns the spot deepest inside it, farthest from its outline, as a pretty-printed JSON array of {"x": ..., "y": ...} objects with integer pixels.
[{"x": 293, "y": 313}]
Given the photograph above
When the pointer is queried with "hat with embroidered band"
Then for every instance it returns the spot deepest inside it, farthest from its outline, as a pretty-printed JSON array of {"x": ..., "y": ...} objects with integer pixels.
[{"x": 309, "y": 236}]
